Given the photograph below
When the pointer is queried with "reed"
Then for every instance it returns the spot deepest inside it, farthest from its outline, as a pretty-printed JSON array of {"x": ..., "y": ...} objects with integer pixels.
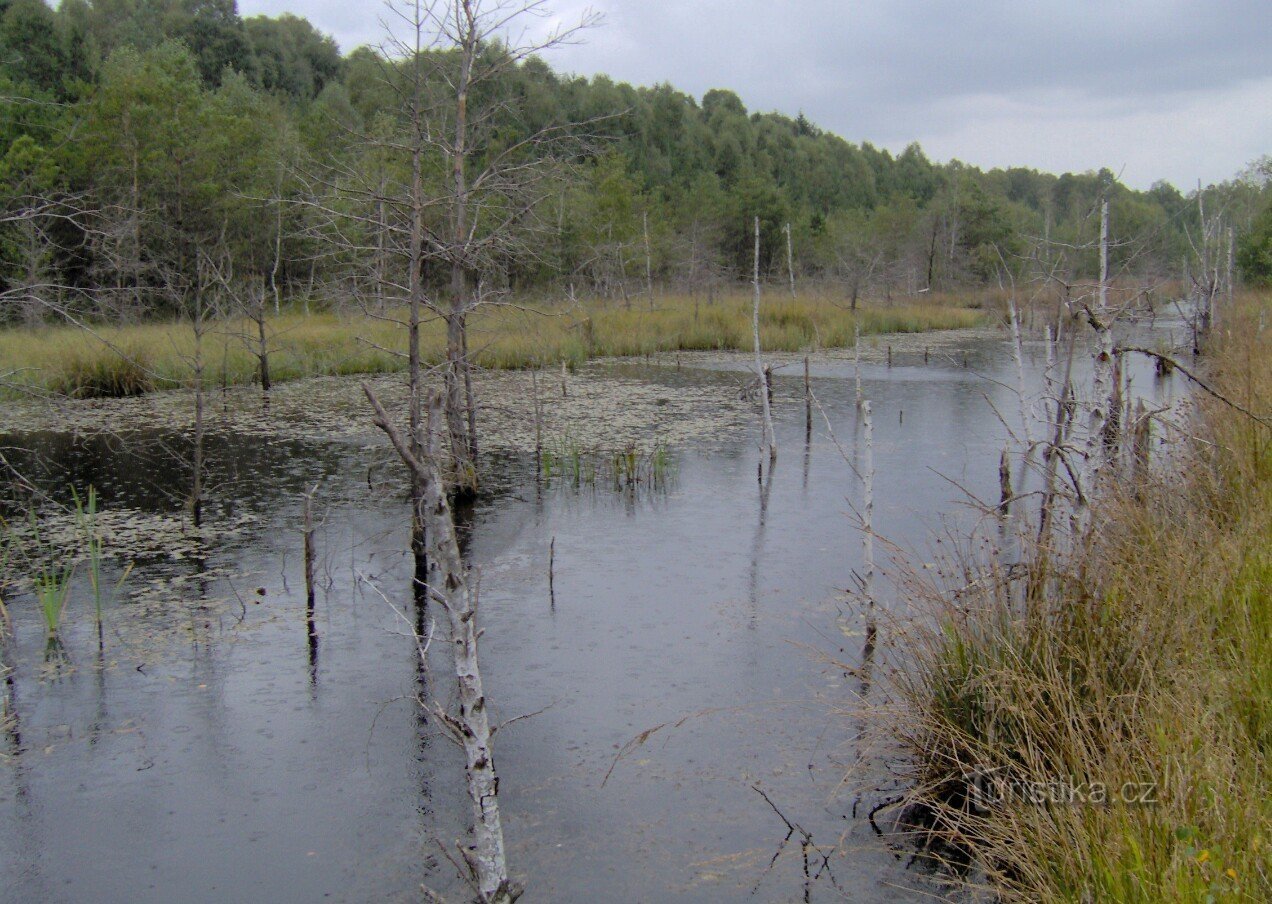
[
  {"x": 110, "y": 361},
  {"x": 1145, "y": 671},
  {"x": 52, "y": 592}
]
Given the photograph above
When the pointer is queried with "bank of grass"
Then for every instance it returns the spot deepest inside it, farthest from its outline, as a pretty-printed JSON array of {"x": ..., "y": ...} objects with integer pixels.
[
  {"x": 129, "y": 360},
  {"x": 1151, "y": 665}
]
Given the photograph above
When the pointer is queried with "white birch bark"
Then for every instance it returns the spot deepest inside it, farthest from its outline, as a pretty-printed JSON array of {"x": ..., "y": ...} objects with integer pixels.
[
  {"x": 449, "y": 586},
  {"x": 1102, "y": 388},
  {"x": 856, "y": 358}
]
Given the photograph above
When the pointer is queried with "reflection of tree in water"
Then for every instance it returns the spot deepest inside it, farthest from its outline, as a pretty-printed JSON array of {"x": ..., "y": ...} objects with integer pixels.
[{"x": 757, "y": 546}]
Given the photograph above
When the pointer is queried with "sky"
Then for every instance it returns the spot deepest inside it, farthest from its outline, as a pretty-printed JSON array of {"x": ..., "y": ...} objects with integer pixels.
[{"x": 1179, "y": 90}]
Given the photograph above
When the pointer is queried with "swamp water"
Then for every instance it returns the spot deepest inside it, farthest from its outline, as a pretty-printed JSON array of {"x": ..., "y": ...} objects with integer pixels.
[{"x": 224, "y": 746}]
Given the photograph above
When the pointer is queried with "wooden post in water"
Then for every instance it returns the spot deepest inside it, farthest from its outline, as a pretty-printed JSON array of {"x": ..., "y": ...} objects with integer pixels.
[
  {"x": 1141, "y": 439},
  {"x": 309, "y": 551},
  {"x": 808, "y": 402},
  {"x": 1004, "y": 483},
  {"x": 552, "y": 573},
  {"x": 311, "y": 627},
  {"x": 538, "y": 423}
]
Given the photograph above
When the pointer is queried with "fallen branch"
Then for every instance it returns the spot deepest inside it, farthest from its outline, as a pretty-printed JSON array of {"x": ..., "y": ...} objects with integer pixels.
[{"x": 1167, "y": 359}]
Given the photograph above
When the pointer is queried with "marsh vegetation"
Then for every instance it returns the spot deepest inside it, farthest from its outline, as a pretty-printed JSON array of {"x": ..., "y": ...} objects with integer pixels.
[{"x": 320, "y": 372}]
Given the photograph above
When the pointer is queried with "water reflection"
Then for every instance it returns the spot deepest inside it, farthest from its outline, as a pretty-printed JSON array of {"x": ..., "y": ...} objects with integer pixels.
[{"x": 706, "y": 594}]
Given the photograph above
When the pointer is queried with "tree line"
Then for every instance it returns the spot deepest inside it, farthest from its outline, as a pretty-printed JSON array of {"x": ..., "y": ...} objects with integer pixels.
[{"x": 147, "y": 142}]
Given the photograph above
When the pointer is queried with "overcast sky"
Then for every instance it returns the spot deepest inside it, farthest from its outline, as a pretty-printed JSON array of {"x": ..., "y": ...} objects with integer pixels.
[{"x": 1153, "y": 89}]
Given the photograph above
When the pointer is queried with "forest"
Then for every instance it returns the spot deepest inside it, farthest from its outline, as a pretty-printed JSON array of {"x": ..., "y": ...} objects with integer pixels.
[{"x": 136, "y": 131}]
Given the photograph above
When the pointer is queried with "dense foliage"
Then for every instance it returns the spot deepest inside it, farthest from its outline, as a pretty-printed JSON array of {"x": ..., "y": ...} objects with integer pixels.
[{"x": 137, "y": 134}]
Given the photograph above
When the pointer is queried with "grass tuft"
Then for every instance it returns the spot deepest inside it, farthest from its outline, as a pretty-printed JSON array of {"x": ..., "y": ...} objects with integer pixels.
[{"x": 1148, "y": 665}]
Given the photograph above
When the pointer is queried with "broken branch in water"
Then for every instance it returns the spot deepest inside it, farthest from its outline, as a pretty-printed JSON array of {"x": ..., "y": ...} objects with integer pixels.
[{"x": 1167, "y": 359}]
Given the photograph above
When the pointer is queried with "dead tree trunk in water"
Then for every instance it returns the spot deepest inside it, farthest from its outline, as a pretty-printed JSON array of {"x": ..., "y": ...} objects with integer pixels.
[
  {"x": 770, "y": 444},
  {"x": 856, "y": 359},
  {"x": 200, "y": 426},
  {"x": 449, "y": 585},
  {"x": 867, "y": 502}
]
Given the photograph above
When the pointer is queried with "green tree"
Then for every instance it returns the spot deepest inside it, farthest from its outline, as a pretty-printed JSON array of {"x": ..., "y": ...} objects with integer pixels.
[{"x": 1254, "y": 253}]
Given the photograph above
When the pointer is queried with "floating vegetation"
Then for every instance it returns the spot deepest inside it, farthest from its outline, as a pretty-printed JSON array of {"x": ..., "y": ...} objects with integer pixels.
[
  {"x": 603, "y": 405},
  {"x": 121, "y": 534}
]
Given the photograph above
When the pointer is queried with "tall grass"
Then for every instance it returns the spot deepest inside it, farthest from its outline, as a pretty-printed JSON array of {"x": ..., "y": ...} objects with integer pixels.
[
  {"x": 128, "y": 360},
  {"x": 1149, "y": 666}
]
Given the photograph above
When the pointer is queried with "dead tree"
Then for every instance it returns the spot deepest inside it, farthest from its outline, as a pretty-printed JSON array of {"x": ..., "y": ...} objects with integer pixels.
[
  {"x": 761, "y": 374},
  {"x": 454, "y": 587},
  {"x": 488, "y": 203},
  {"x": 790, "y": 258},
  {"x": 649, "y": 260},
  {"x": 867, "y": 503}
]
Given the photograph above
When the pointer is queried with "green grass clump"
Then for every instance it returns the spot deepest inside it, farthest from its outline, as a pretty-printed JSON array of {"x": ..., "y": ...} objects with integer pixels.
[
  {"x": 88, "y": 371},
  {"x": 52, "y": 592},
  {"x": 1147, "y": 663}
]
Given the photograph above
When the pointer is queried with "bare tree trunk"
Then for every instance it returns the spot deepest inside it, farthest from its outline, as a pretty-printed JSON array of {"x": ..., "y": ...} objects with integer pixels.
[
  {"x": 262, "y": 341},
  {"x": 770, "y": 443},
  {"x": 308, "y": 534},
  {"x": 459, "y": 414},
  {"x": 1004, "y": 483},
  {"x": 1230, "y": 268},
  {"x": 856, "y": 359},
  {"x": 649, "y": 263},
  {"x": 415, "y": 289},
  {"x": 1101, "y": 377},
  {"x": 867, "y": 502},
  {"x": 196, "y": 481},
  {"x": 278, "y": 259},
  {"x": 449, "y": 585},
  {"x": 790, "y": 264}
]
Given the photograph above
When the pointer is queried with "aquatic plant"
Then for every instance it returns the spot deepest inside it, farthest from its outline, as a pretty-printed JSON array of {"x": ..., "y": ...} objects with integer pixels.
[
  {"x": 565, "y": 458},
  {"x": 52, "y": 592}
]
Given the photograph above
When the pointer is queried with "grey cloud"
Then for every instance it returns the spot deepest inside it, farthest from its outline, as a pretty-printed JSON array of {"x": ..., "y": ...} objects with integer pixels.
[{"x": 890, "y": 71}]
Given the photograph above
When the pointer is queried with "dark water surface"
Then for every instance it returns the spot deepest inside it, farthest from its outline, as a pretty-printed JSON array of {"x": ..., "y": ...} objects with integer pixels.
[{"x": 216, "y": 751}]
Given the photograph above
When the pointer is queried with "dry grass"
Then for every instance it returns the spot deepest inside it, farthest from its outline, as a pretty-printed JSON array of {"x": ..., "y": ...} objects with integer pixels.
[
  {"x": 114, "y": 361},
  {"x": 1149, "y": 661}
]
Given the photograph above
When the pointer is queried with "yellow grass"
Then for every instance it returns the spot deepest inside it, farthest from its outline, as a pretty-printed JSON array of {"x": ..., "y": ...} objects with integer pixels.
[{"x": 137, "y": 358}]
